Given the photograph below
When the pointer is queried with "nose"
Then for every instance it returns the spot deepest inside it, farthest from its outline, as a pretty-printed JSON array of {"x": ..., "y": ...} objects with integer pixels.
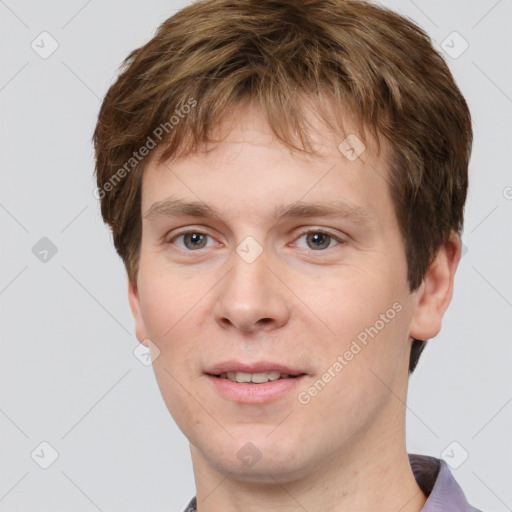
[{"x": 251, "y": 298}]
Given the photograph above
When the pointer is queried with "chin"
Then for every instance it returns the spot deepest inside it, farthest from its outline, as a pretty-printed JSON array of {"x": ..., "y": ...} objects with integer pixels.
[
  {"x": 265, "y": 471},
  {"x": 261, "y": 460}
]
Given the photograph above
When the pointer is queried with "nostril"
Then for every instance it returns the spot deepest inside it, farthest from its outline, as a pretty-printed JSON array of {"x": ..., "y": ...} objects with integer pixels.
[
  {"x": 225, "y": 322},
  {"x": 246, "y": 324}
]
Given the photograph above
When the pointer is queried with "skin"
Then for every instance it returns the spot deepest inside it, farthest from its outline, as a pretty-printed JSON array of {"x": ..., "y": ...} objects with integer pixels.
[{"x": 301, "y": 306}]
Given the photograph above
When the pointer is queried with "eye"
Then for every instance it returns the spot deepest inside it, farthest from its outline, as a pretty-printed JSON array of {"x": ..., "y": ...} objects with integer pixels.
[
  {"x": 192, "y": 241},
  {"x": 317, "y": 240}
]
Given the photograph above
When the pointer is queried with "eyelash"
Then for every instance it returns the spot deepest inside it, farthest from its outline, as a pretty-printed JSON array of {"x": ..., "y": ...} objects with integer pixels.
[{"x": 305, "y": 233}]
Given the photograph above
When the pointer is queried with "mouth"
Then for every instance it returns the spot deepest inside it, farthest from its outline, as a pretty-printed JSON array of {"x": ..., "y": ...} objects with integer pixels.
[
  {"x": 255, "y": 378},
  {"x": 256, "y": 383}
]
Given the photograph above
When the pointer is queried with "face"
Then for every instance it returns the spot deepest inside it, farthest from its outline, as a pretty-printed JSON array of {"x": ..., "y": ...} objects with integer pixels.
[{"x": 258, "y": 263}]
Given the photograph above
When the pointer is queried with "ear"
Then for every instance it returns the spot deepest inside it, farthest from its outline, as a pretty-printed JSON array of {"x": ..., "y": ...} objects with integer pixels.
[
  {"x": 134, "y": 299},
  {"x": 435, "y": 292}
]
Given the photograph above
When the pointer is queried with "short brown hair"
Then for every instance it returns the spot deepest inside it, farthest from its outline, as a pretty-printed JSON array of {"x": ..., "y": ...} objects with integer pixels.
[{"x": 215, "y": 54}]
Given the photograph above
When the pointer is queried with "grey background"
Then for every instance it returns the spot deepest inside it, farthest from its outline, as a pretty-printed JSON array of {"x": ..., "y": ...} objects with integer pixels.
[{"x": 68, "y": 372}]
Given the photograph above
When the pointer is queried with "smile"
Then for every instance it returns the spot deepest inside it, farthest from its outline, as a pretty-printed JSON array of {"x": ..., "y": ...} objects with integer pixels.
[
  {"x": 256, "y": 382},
  {"x": 255, "y": 378}
]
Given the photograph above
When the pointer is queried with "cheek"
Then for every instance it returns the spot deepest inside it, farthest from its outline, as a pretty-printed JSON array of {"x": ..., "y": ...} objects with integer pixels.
[
  {"x": 351, "y": 303},
  {"x": 363, "y": 368},
  {"x": 170, "y": 311},
  {"x": 167, "y": 298},
  {"x": 366, "y": 343},
  {"x": 173, "y": 313}
]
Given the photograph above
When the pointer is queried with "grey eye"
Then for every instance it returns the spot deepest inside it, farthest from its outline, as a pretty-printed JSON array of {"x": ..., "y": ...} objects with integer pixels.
[
  {"x": 192, "y": 241},
  {"x": 318, "y": 240}
]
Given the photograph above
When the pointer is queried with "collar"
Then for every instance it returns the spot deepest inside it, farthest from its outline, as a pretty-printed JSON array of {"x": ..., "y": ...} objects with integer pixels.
[{"x": 437, "y": 482}]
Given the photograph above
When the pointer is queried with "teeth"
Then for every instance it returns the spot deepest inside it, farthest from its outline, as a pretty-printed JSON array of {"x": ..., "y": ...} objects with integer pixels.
[
  {"x": 257, "y": 378},
  {"x": 243, "y": 377}
]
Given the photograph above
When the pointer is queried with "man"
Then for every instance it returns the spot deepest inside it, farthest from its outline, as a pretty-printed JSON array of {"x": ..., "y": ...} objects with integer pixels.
[{"x": 285, "y": 182}]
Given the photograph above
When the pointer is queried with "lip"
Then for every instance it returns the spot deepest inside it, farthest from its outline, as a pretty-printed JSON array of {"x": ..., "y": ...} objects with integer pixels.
[{"x": 246, "y": 393}]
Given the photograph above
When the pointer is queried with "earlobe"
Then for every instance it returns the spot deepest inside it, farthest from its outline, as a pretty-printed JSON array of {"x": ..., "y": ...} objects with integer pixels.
[
  {"x": 134, "y": 300},
  {"x": 435, "y": 293}
]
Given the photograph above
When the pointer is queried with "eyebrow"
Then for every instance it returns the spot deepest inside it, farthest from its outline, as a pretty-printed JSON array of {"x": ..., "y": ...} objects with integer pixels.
[
  {"x": 172, "y": 207},
  {"x": 336, "y": 208},
  {"x": 179, "y": 208}
]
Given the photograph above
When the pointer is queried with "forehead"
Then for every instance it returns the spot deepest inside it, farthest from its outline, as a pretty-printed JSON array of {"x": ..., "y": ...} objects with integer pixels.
[{"x": 250, "y": 169}]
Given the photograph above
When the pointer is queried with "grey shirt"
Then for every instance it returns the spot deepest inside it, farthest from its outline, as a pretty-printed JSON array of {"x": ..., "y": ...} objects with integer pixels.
[{"x": 435, "y": 480}]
